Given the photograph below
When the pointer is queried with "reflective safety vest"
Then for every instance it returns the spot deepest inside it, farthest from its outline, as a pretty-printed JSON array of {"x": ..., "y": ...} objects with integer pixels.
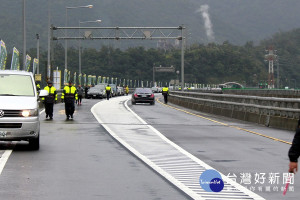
[
  {"x": 69, "y": 94},
  {"x": 165, "y": 90},
  {"x": 52, "y": 97},
  {"x": 108, "y": 88}
]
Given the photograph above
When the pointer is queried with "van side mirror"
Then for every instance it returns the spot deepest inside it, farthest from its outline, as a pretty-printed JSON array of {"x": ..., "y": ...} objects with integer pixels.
[{"x": 43, "y": 93}]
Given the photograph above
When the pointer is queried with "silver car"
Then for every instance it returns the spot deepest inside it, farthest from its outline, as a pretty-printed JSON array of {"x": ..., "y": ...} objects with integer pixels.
[{"x": 19, "y": 107}]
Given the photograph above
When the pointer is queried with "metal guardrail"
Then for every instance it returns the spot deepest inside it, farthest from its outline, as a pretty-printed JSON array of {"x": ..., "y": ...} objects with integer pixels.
[
  {"x": 281, "y": 113},
  {"x": 285, "y": 107},
  {"x": 283, "y": 93}
]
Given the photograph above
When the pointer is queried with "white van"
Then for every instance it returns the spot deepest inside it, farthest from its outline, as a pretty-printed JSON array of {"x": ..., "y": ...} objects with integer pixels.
[{"x": 19, "y": 107}]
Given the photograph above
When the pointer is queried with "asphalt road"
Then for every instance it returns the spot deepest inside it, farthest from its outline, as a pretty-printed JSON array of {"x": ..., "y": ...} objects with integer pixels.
[
  {"x": 226, "y": 145},
  {"x": 78, "y": 159}
]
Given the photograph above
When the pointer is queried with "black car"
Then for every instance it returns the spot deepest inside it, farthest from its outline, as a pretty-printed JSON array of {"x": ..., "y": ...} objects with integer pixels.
[
  {"x": 98, "y": 91},
  {"x": 143, "y": 95}
]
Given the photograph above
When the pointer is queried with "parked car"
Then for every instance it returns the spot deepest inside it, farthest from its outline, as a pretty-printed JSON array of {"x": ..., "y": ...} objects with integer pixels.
[
  {"x": 19, "y": 107},
  {"x": 98, "y": 91},
  {"x": 143, "y": 95},
  {"x": 120, "y": 91}
]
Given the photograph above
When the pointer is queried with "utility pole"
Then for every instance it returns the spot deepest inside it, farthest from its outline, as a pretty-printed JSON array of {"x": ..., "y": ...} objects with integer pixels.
[
  {"x": 24, "y": 34},
  {"x": 278, "y": 78},
  {"x": 38, "y": 51},
  {"x": 270, "y": 57}
]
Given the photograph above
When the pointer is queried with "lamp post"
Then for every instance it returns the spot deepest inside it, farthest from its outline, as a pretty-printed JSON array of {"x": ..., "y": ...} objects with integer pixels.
[
  {"x": 38, "y": 52},
  {"x": 24, "y": 35},
  {"x": 66, "y": 24},
  {"x": 177, "y": 81},
  {"x": 79, "y": 48}
]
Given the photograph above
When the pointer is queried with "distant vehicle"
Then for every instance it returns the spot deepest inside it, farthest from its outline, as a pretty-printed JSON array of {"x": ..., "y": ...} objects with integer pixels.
[
  {"x": 113, "y": 89},
  {"x": 154, "y": 89},
  {"x": 120, "y": 91},
  {"x": 98, "y": 91},
  {"x": 19, "y": 107},
  {"x": 143, "y": 95}
]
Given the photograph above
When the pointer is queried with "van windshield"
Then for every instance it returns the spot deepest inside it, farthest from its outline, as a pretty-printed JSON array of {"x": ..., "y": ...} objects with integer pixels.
[{"x": 16, "y": 85}]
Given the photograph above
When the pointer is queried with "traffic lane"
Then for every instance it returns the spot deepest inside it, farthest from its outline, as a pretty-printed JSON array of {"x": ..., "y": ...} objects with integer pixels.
[
  {"x": 78, "y": 159},
  {"x": 227, "y": 149},
  {"x": 256, "y": 128}
]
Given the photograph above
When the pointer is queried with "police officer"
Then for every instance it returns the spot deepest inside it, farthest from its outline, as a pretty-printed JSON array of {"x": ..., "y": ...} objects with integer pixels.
[
  {"x": 69, "y": 96},
  {"x": 294, "y": 151},
  {"x": 86, "y": 89},
  {"x": 126, "y": 89},
  {"x": 38, "y": 86},
  {"x": 50, "y": 99},
  {"x": 108, "y": 91},
  {"x": 165, "y": 93}
]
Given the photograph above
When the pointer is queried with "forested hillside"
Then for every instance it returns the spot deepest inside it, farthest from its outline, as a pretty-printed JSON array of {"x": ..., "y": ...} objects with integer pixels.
[
  {"x": 207, "y": 64},
  {"x": 236, "y": 21},
  {"x": 235, "y": 53}
]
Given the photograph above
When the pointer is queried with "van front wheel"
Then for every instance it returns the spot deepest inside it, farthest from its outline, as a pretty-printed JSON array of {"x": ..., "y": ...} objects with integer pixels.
[{"x": 35, "y": 143}]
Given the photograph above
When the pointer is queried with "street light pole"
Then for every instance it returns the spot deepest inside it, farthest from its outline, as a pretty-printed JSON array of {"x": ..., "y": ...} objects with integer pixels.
[
  {"x": 24, "y": 35},
  {"x": 66, "y": 42},
  {"x": 182, "y": 58},
  {"x": 38, "y": 52},
  {"x": 66, "y": 24}
]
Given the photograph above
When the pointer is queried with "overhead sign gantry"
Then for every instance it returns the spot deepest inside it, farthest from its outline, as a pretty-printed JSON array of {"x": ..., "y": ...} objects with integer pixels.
[{"x": 119, "y": 33}]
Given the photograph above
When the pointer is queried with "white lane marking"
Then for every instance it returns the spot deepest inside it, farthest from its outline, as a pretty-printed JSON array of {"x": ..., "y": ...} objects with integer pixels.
[
  {"x": 145, "y": 159},
  {"x": 183, "y": 185},
  {"x": 4, "y": 159},
  {"x": 192, "y": 157}
]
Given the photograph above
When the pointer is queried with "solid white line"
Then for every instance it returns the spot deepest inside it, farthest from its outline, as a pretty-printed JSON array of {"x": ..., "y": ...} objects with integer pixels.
[
  {"x": 4, "y": 159},
  {"x": 161, "y": 171},
  {"x": 146, "y": 160},
  {"x": 197, "y": 160}
]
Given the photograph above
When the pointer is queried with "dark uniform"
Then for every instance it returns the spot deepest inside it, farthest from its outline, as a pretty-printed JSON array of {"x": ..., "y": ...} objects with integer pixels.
[
  {"x": 69, "y": 96},
  {"x": 294, "y": 151},
  {"x": 50, "y": 99},
  {"x": 165, "y": 92},
  {"x": 108, "y": 91},
  {"x": 80, "y": 94},
  {"x": 86, "y": 89}
]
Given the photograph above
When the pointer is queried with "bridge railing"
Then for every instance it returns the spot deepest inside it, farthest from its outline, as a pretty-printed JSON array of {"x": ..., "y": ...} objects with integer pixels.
[{"x": 270, "y": 111}]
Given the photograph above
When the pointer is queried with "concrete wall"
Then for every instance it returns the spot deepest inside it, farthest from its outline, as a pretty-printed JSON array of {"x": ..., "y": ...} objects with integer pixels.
[
  {"x": 264, "y": 92},
  {"x": 274, "y": 112}
]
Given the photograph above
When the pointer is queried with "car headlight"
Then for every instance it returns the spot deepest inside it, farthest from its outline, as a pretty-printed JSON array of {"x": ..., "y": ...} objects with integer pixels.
[{"x": 29, "y": 113}]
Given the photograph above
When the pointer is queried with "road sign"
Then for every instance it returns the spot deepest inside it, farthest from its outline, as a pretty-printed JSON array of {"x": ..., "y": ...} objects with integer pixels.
[
  {"x": 164, "y": 69},
  {"x": 38, "y": 77}
]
